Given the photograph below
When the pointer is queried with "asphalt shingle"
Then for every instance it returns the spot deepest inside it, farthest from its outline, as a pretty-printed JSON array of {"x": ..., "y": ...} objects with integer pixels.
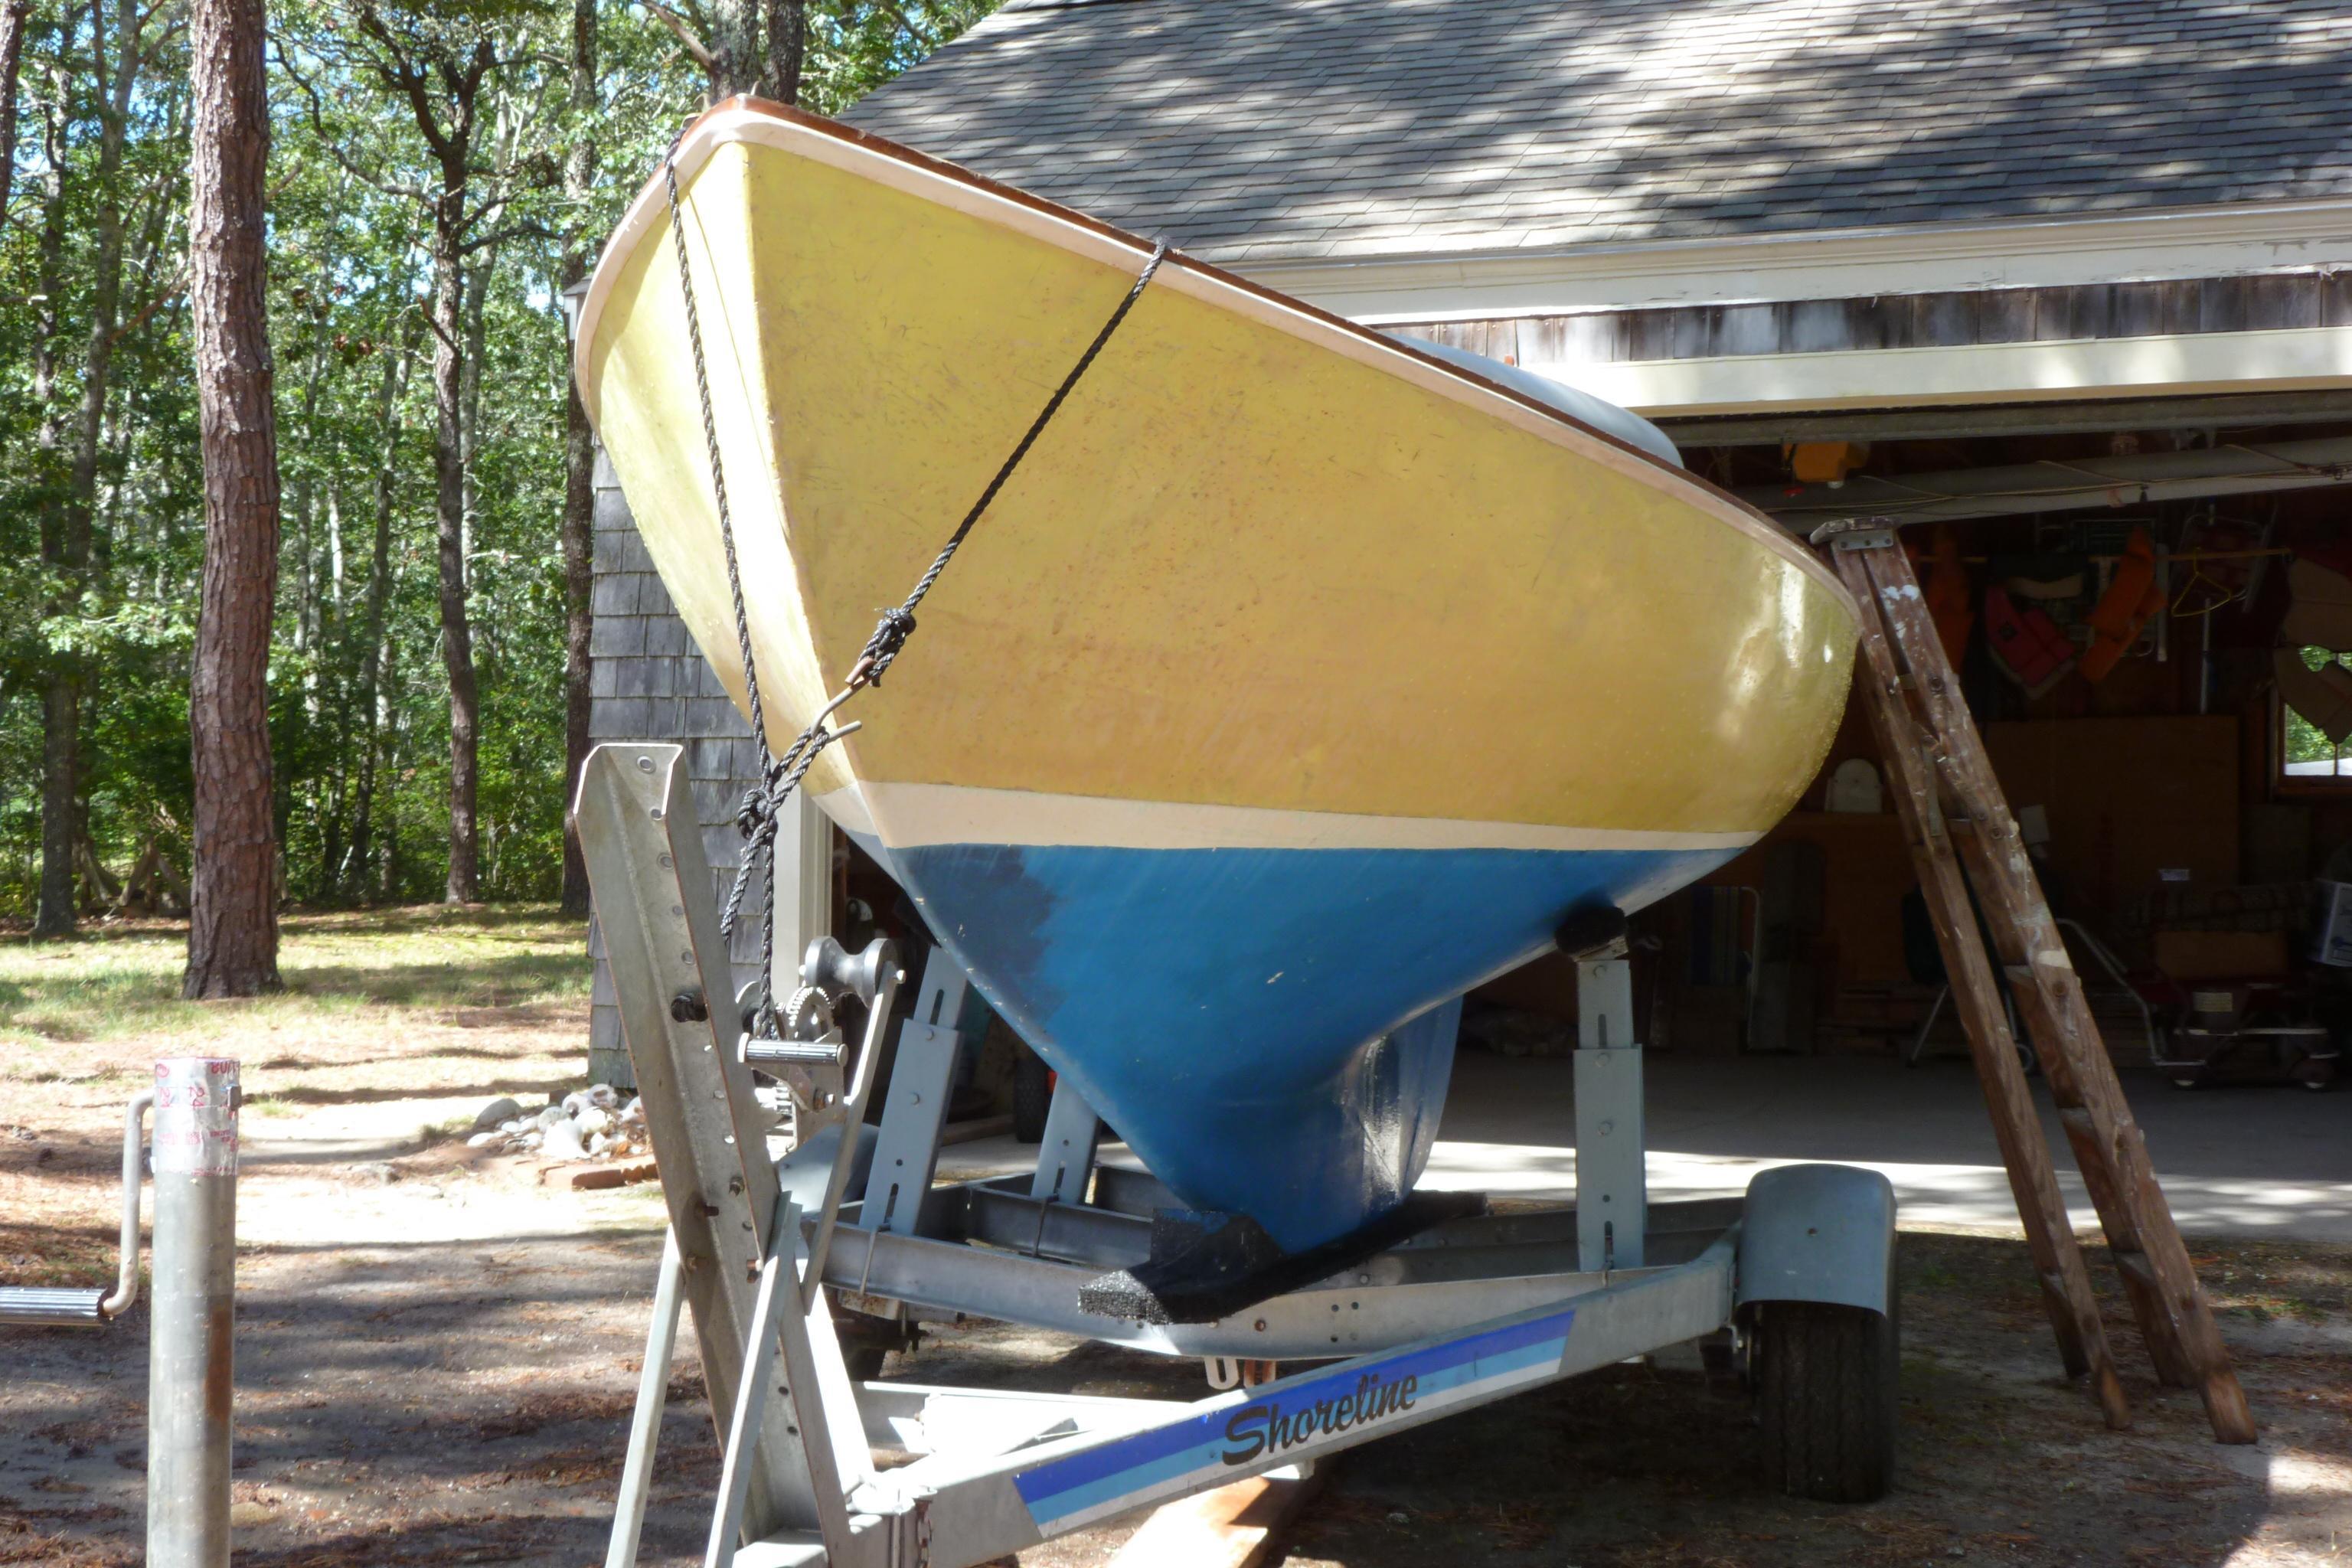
[{"x": 1266, "y": 129}]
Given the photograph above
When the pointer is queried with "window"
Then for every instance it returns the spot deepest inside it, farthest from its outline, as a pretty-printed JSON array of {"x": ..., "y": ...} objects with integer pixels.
[{"x": 2306, "y": 754}]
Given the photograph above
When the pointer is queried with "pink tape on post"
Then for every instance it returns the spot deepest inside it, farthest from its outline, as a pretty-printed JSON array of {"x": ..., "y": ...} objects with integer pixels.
[{"x": 196, "y": 1116}]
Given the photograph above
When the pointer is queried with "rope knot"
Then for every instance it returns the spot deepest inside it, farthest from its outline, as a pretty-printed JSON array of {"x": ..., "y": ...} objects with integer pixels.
[
  {"x": 755, "y": 818},
  {"x": 890, "y": 635}
]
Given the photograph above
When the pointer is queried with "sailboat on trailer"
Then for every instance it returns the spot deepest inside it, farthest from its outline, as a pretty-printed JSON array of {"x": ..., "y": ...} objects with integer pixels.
[{"x": 1298, "y": 680}]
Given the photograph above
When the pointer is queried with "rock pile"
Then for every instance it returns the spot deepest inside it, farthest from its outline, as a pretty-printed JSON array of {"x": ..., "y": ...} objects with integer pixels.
[{"x": 588, "y": 1124}]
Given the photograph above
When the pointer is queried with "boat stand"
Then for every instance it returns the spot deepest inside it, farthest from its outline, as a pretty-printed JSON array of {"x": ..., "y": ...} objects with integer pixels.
[{"x": 1458, "y": 1315}]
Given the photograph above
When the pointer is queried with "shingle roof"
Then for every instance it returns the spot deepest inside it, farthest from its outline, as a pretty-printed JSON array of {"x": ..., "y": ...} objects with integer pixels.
[{"x": 1248, "y": 130}]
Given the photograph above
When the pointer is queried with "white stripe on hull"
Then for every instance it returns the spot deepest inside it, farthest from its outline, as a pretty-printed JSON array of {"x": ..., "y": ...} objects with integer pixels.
[{"x": 910, "y": 816}]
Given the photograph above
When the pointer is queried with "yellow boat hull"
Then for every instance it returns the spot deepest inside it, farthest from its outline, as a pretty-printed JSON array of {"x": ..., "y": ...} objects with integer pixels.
[{"x": 1270, "y": 586}]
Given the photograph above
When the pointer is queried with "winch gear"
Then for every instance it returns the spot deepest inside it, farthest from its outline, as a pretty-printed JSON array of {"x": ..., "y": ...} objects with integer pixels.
[{"x": 809, "y": 1015}]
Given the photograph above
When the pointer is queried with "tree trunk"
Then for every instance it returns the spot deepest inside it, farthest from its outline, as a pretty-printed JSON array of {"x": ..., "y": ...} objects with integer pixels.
[
  {"x": 52, "y": 912},
  {"x": 736, "y": 45},
  {"x": 309, "y": 626},
  {"x": 757, "y": 46},
  {"x": 449, "y": 505},
  {"x": 56, "y": 913},
  {"x": 61, "y": 698},
  {"x": 579, "y": 523},
  {"x": 474, "y": 351},
  {"x": 787, "y": 46},
  {"x": 379, "y": 595},
  {"x": 233, "y": 922},
  {"x": 11, "y": 55}
]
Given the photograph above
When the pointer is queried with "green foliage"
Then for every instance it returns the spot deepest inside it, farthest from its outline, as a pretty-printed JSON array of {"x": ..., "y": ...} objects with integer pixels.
[
  {"x": 2305, "y": 742},
  {"x": 361, "y": 772}
]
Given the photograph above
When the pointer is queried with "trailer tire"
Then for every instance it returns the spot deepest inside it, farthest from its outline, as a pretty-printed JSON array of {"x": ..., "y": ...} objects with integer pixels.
[
  {"x": 1032, "y": 1096},
  {"x": 1825, "y": 1395}
]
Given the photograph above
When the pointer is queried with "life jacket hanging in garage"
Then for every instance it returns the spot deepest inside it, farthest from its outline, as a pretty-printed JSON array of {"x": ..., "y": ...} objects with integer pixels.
[
  {"x": 2026, "y": 644},
  {"x": 2132, "y": 596},
  {"x": 1945, "y": 586}
]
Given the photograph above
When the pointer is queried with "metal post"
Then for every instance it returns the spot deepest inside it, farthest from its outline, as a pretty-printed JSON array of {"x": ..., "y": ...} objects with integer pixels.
[
  {"x": 660, "y": 920},
  {"x": 653, "y": 1395},
  {"x": 914, "y": 1106},
  {"x": 1065, "y": 1155},
  {"x": 191, "y": 1369},
  {"x": 1612, "y": 1187}
]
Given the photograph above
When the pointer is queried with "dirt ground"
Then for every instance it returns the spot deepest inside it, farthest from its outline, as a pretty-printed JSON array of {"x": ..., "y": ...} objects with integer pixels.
[{"x": 437, "y": 1351}]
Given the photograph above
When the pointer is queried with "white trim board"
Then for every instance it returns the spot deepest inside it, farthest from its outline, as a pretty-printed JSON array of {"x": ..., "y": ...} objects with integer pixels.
[
  {"x": 912, "y": 815},
  {"x": 2278, "y": 360},
  {"x": 1855, "y": 263}
]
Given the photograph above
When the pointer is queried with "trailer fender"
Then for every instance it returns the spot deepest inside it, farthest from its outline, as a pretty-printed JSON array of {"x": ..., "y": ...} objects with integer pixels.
[{"x": 1818, "y": 1233}]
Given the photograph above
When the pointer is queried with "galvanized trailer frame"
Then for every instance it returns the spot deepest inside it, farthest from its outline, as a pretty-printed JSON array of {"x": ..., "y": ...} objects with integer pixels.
[{"x": 1459, "y": 1315}]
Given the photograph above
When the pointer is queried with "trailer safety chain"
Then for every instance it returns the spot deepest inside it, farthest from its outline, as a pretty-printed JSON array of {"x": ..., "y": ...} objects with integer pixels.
[{"x": 760, "y": 813}]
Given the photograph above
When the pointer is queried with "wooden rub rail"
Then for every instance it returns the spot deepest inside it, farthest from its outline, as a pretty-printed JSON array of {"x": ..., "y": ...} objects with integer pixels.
[{"x": 1943, "y": 780}]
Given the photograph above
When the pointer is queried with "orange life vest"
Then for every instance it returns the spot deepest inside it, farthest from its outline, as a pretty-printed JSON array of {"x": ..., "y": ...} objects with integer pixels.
[
  {"x": 2132, "y": 596},
  {"x": 2026, "y": 643}
]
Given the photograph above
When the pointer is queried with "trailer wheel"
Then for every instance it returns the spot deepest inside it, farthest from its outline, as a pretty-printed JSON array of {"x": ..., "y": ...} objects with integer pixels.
[
  {"x": 1032, "y": 1096},
  {"x": 1825, "y": 1394}
]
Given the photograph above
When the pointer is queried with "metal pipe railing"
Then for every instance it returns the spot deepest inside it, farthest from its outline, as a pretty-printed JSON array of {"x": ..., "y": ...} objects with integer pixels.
[{"x": 87, "y": 1307}]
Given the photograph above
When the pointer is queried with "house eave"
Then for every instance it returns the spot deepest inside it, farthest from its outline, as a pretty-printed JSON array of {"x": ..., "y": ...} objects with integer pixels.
[{"x": 2235, "y": 240}]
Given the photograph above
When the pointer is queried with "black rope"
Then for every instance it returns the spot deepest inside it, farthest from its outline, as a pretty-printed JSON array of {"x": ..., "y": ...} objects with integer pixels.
[
  {"x": 897, "y": 623},
  {"x": 710, "y": 448},
  {"x": 761, "y": 810}
]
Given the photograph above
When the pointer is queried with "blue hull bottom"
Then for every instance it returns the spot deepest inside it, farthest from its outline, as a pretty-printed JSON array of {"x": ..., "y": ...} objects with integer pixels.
[{"x": 1230, "y": 1012}]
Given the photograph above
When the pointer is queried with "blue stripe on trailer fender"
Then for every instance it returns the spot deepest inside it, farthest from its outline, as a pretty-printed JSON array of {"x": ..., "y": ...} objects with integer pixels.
[{"x": 1253, "y": 1428}]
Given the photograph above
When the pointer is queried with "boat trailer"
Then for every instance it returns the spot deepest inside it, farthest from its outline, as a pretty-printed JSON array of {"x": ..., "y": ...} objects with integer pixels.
[{"x": 794, "y": 1270}]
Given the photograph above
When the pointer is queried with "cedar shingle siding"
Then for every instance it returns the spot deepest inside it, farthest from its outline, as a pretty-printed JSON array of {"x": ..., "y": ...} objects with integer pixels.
[{"x": 651, "y": 683}]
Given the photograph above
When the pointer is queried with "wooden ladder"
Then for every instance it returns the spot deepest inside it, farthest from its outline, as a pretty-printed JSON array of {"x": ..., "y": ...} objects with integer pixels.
[{"x": 1962, "y": 837}]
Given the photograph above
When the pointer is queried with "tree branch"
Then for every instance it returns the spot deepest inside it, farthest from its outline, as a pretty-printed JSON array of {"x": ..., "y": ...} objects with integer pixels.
[
  {"x": 908, "y": 22},
  {"x": 695, "y": 48},
  {"x": 526, "y": 229},
  {"x": 404, "y": 77},
  {"x": 179, "y": 285},
  {"x": 403, "y": 188},
  {"x": 426, "y": 315}
]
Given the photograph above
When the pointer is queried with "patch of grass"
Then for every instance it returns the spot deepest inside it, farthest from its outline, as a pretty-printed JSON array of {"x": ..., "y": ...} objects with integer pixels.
[
  {"x": 124, "y": 982},
  {"x": 2265, "y": 1280}
]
